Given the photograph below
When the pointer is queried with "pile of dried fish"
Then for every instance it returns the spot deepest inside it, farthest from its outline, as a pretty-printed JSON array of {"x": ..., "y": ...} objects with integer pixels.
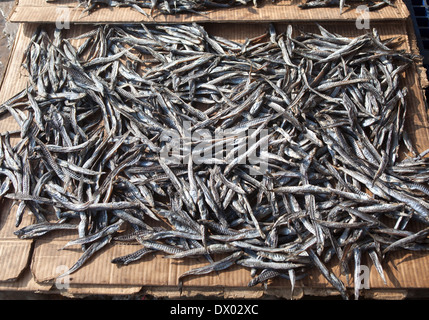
[
  {"x": 199, "y": 6},
  {"x": 279, "y": 154}
]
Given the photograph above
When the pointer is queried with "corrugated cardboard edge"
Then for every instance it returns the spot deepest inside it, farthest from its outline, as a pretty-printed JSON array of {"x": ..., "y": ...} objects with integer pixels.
[
  {"x": 66, "y": 11},
  {"x": 25, "y": 283},
  {"x": 15, "y": 256}
]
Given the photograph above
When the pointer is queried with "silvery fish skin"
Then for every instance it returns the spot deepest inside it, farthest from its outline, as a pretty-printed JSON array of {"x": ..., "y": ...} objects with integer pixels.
[{"x": 278, "y": 154}]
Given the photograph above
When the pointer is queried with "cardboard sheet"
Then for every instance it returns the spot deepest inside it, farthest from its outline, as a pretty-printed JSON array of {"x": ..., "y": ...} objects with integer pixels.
[
  {"x": 281, "y": 10},
  {"x": 404, "y": 270}
]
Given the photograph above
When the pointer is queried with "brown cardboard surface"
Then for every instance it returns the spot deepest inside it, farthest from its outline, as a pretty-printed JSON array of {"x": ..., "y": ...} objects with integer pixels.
[
  {"x": 283, "y": 10},
  {"x": 14, "y": 253},
  {"x": 83, "y": 290},
  {"x": 404, "y": 270}
]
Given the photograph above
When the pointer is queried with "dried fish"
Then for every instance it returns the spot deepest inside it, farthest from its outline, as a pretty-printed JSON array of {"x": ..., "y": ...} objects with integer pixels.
[
  {"x": 294, "y": 159},
  {"x": 202, "y": 6}
]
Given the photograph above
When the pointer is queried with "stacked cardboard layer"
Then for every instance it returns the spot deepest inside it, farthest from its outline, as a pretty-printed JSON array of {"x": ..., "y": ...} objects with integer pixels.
[{"x": 33, "y": 265}]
